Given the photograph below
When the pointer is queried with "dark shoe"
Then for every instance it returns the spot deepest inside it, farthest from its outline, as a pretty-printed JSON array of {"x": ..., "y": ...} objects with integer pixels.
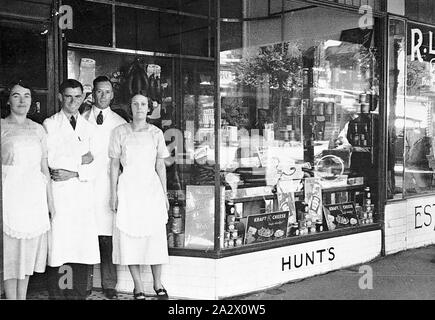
[
  {"x": 162, "y": 294},
  {"x": 111, "y": 294},
  {"x": 139, "y": 296}
]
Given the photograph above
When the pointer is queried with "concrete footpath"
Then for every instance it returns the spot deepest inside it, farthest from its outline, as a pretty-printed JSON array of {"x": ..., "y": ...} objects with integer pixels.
[{"x": 408, "y": 275}]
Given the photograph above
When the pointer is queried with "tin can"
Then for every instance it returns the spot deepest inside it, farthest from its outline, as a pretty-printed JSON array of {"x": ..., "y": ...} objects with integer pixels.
[
  {"x": 321, "y": 109},
  {"x": 234, "y": 234},
  {"x": 177, "y": 225},
  {"x": 231, "y": 227},
  {"x": 330, "y": 108},
  {"x": 313, "y": 229},
  {"x": 231, "y": 219},
  {"x": 356, "y": 140},
  {"x": 239, "y": 210},
  {"x": 226, "y": 243},
  {"x": 364, "y": 143},
  {"x": 230, "y": 243},
  {"x": 363, "y": 98},
  {"x": 179, "y": 240},
  {"x": 355, "y": 128},
  {"x": 171, "y": 242},
  {"x": 294, "y": 230},
  {"x": 365, "y": 108},
  {"x": 239, "y": 242},
  {"x": 319, "y": 226},
  {"x": 227, "y": 235}
]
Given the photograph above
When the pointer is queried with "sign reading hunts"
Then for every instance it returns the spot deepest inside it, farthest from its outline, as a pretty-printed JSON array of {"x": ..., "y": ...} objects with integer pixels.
[{"x": 265, "y": 227}]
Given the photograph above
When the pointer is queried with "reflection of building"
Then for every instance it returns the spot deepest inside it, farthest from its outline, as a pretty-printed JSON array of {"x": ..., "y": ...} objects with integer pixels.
[{"x": 298, "y": 107}]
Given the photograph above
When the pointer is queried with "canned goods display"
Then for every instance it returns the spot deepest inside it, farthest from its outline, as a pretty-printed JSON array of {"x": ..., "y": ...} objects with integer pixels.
[{"x": 234, "y": 234}]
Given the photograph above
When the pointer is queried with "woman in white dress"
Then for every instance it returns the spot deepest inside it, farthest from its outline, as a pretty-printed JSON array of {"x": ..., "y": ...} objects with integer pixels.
[
  {"x": 27, "y": 196},
  {"x": 139, "y": 197}
]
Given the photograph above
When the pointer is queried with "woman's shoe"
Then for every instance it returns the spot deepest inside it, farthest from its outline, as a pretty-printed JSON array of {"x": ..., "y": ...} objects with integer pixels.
[
  {"x": 162, "y": 294},
  {"x": 139, "y": 296}
]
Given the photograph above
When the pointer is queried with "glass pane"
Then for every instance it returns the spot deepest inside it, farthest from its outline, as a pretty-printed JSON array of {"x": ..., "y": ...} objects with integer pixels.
[
  {"x": 167, "y": 33},
  {"x": 420, "y": 109},
  {"x": 23, "y": 55},
  {"x": 231, "y": 8},
  {"x": 92, "y": 23},
  {"x": 396, "y": 109},
  {"x": 299, "y": 109},
  {"x": 200, "y": 7}
]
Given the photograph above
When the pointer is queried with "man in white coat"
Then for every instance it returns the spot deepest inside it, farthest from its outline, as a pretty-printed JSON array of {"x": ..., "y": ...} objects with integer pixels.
[
  {"x": 105, "y": 120},
  {"x": 73, "y": 238}
]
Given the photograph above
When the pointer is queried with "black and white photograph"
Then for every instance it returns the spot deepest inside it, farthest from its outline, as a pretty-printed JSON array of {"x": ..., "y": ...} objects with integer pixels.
[{"x": 234, "y": 152}]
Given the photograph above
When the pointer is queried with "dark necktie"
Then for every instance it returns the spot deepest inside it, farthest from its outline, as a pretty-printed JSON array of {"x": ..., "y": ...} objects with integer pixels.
[
  {"x": 73, "y": 122},
  {"x": 100, "y": 118}
]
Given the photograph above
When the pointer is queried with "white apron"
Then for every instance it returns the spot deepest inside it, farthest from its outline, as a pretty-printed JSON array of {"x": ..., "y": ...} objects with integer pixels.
[
  {"x": 25, "y": 211},
  {"x": 141, "y": 199}
]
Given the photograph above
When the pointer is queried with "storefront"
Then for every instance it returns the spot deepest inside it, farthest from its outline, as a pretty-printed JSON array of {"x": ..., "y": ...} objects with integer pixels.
[
  {"x": 260, "y": 102},
  {"x": 290, "y": 135},
  {"x": 409, "y": 212}
]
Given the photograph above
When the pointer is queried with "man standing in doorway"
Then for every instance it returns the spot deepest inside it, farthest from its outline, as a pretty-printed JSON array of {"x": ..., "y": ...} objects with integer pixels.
[
  {"x": 105, "y": 120},
  {"x": 73, "y": 238}
]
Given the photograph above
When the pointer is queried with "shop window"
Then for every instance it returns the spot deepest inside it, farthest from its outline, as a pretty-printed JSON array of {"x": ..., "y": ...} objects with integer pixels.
[
  {"x": 420, "y": 111},
  {"x": 396, "y": 109},
  {"x": 300, "y": 125},
  {"x": 92, "y": 23}
]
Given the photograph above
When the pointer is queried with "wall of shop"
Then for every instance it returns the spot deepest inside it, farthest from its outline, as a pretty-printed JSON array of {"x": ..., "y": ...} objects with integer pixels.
[
  {"x": 199, "y": 278},
  {"x": 409, "y": 224}
]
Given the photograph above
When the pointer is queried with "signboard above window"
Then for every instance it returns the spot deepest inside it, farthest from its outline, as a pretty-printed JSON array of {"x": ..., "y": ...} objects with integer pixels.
[{"x": 420, "y": 10}]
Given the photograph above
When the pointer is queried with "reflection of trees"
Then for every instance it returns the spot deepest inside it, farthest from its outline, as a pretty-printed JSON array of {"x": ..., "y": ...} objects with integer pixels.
[
  {"x": 277, "y": 66},
  {"x": 416, "y": 73}
]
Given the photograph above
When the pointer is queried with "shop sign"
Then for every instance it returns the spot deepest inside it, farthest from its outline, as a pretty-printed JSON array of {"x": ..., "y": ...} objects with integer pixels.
[
  {"x": 308, "y": 258},
  {"x": 424, "y": 216},
  {"x": 421, "y": 43},
  {"x": 420, "y": 222},
  {"x": 266, "y": 227}
]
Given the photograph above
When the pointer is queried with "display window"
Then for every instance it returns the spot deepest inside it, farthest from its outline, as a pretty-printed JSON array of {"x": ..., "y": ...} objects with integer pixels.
[
  {"x": 411, "y": 110},
  {"x": 275, "y": 137},
  {"x": 299, "y": 124}
]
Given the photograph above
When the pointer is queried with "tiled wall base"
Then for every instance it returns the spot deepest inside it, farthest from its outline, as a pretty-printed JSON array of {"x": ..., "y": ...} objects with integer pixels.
[
  {"x": 199, "y": 278},
  {"x": 409, "y": 224}
]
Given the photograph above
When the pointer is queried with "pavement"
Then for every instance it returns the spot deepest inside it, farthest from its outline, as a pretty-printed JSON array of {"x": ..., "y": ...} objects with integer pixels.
[{"x": 407, "y": 275}]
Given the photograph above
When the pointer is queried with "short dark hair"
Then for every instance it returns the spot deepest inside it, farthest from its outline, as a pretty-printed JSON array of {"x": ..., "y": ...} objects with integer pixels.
[
  {"x": 101, "y": 79},
  {"x": 70, "y": 83},
  {"x": 4, "y": 96}
]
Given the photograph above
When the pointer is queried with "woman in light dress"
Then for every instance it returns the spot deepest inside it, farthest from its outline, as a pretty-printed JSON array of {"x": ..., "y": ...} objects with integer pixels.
[
  {"x": 27, "y": 196},
  {"x": 138, "y": 196}
]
